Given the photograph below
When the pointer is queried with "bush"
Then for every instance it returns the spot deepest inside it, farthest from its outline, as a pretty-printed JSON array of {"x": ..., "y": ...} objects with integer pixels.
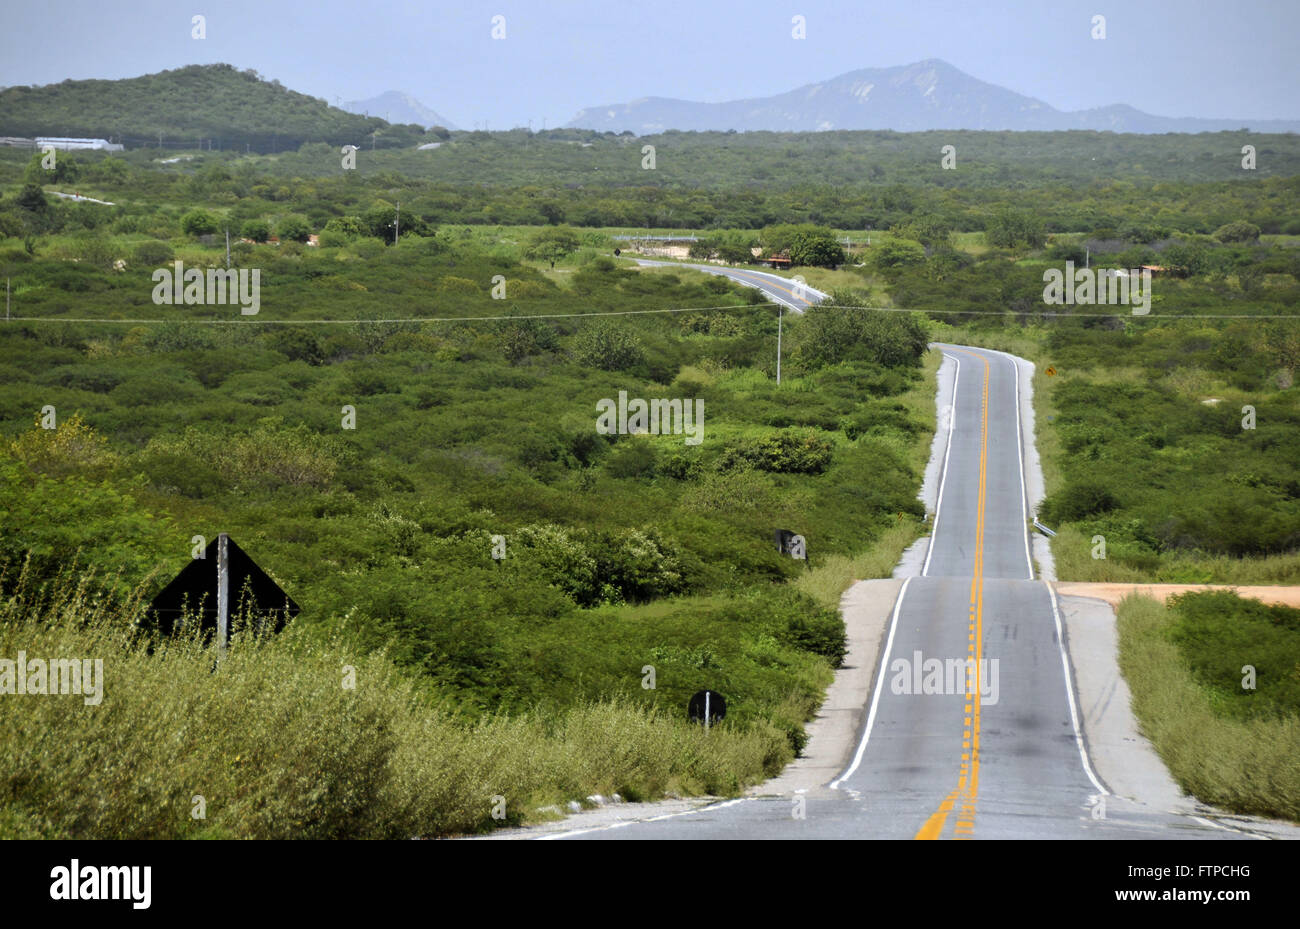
[
  {"x": 832, "y": 332},
  {"x": 632, "y": 458},
  {"x": 294, "y": 228},
  {"x": 199, "y": 222},
  {"x": 783, "y": 453},
  {"x": 153, "y": 254},
  {"x": 256, "y": 229},
  {"x": 608, "y": 348},
  {"x": 1077, "y": 502},
  {"x": 1237, "y": 232}
]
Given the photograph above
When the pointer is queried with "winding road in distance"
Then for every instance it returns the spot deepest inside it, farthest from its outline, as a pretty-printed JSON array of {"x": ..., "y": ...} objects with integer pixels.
[{"x": 996, "y": 754}]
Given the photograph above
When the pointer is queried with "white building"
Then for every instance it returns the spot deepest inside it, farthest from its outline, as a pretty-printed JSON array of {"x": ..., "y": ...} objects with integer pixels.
[{"x": 68, "y": 145}]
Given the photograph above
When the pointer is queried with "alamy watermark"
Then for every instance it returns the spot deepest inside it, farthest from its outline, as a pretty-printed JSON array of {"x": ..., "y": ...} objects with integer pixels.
[
  {"x": 1086, "y": 286},
  {"x": 920, "y": 675},
  {"x": 189, "y": 286},
  {"x": 52, "y": 677},
  {"x": 653, "y": 417}
]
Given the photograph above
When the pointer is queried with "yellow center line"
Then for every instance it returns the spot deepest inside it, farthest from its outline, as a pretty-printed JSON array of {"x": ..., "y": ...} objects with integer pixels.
[
  {"x": 969, "y": 778},
  {"x": 770, "y": 282}
]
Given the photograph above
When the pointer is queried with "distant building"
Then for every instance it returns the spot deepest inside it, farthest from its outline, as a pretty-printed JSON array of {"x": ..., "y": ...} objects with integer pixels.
[{"x": 68, "y": 145}]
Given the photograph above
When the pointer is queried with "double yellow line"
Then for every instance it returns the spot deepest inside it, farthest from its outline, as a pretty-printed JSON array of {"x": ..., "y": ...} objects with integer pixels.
[{"x": 963, "y": 798}]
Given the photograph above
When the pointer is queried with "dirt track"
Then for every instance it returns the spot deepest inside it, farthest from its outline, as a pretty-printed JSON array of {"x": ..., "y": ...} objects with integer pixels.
[{"x": 1114, "y": 593}]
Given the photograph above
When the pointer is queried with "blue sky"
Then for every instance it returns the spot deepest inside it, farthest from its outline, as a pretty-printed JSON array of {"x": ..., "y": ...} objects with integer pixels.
[{"x": 1171, "y": 57}]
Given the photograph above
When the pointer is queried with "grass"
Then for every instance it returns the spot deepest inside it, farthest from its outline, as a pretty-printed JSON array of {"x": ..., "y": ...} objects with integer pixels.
[
  {"x": 1073, "y": 549},
  {"x": 272, "y": 743},
  {"x": 1243, "y": 765}
]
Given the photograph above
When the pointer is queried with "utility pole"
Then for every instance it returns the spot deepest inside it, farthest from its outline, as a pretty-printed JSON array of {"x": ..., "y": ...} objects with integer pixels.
[
  {"x": 397, "y": 223},
  {"x": 780, "y": 310},
  {"x": 6, "y": 299},
  {"x": 223, "y": 593}
]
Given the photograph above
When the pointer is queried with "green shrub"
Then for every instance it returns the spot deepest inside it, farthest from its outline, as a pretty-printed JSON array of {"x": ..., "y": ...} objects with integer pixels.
[
  {"x": 783, "y": 453},
  {"x": 152, "y": 254},
  {"x": 608, "y": 348}
]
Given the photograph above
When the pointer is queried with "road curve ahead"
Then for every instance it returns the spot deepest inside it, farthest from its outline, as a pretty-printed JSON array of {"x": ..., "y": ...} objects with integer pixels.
[
  {"x": 972, "y": 729},
  {"x": 776, "y": 288}
]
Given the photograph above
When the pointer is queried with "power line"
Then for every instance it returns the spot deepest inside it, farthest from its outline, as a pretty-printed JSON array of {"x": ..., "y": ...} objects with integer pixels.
[
  {"x": 688, "y": 309},
  {"x": 410, "y": 319}
]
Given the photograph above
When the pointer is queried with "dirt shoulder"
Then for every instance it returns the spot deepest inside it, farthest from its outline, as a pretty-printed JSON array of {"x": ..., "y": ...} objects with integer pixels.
[{"x": 1114, "y": 593}]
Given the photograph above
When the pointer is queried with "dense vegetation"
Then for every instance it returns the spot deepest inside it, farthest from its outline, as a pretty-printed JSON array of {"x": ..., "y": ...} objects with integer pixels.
[{"x": 467, "y": 350}]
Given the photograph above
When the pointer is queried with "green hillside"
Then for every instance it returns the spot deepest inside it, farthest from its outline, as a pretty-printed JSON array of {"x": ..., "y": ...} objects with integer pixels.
[{"x": 232, "y": 108}]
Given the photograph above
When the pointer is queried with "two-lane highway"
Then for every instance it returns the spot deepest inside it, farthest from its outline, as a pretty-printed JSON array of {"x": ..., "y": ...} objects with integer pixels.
[
  {"x": 972, "y": 730},
  {"x": 782, "y": 290}
]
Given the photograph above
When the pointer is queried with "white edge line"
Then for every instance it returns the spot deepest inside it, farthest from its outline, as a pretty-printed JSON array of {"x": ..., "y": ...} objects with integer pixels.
[
  {"x": 880, "y": 680},
  {"x": 1069, "y": 692},
  {"x": 1210, "y": 822},
  {"x": 1020, "y": 452},
  {"x": 943, "y": 477},
  {"x": 634, "y": 822}
]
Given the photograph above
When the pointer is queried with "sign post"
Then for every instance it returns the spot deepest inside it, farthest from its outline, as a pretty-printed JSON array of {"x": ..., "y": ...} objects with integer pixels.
[{"x": 223, "y": 593}]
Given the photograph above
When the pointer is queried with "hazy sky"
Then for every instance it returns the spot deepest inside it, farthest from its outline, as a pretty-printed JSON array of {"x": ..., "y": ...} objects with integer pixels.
[{"x": 1238, "y": 59}]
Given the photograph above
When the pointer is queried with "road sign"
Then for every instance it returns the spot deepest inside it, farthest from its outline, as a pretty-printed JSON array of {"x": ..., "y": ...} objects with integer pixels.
[
  {"x": 788, "y": 543},
  {"x": 224, "y": 580},
  {"x": 707, "y": 707}
]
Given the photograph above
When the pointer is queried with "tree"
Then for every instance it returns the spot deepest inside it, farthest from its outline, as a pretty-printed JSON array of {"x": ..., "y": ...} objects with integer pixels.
[
  {"x": 256, "y": 229},
  {"x": 199, "y": 222},
  {"x": 32, "y": 199},
  {"x": 65, "y": 170},
  {"x": 896, "y": 253},
  {"x": 841, "y": 329},
  {"x": 1237, "y": 232},
  {"x": 930, "y": 230},
  {"x": 805, "y": 243},
  {"x": 1016, "y": 229},
  {"x": 294, "y": 227},
  {"x": 816, "y": 248},
  {"x": 552, "y": 244},
  {"x": 553, "y": 212},
  {"x": 345, "y": 226}
]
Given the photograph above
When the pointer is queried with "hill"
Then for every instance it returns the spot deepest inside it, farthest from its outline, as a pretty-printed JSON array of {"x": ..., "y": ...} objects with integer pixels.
[
  {"x": 397, "y": 107},
  {"x": 232, "y": 108},
  {"x": 926, "y": 95}
]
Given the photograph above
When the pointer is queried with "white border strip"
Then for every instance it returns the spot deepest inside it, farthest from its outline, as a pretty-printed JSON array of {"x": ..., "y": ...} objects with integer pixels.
[
  {"x": 635, "y": 822},
  {"x": 1069, "y": 693},
  {"x": 880, "y": 682},
  {"x": 1020, "y": 453}
]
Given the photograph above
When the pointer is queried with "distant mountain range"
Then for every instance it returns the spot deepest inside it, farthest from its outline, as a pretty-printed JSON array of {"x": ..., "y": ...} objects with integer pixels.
[
  {"x": 396, "y": 107},
  {"x": 927, "y": 95}
]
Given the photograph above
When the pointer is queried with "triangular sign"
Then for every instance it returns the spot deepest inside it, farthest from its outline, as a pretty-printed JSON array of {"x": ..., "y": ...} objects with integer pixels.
[{"x": 195, "y": 588}]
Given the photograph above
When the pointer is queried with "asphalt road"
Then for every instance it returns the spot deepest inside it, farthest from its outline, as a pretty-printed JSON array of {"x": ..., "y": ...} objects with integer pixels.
[
  {"x": 972, "y": 729},
  {"x": 777, "y": 288}
]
